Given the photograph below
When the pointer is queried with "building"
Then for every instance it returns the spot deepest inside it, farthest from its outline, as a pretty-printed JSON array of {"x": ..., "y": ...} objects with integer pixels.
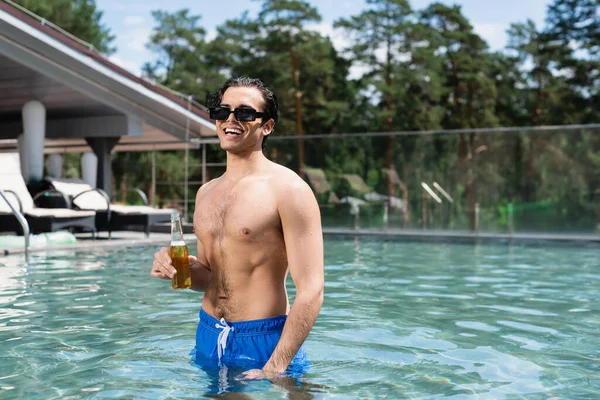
[{"x": 58, "y": 94}]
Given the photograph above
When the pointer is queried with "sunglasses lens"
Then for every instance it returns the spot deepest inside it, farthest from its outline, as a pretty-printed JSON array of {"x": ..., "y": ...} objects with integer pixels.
[
  {"x": 245, "y": 114},
  {"x": 219, "y": 113},
  {"x": 241, "y": 114}
]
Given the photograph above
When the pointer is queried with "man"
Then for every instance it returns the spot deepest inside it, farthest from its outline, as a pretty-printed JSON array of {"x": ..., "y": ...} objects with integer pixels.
[{"x": 253, "y": 224}]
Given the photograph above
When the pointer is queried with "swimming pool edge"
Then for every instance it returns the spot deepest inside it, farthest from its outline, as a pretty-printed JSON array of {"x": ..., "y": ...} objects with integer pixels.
[{"x": 387, "y": 234}]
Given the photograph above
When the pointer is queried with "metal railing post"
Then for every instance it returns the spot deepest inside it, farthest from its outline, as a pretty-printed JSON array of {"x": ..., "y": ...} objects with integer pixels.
[
  {"x": 477, "y": 218},
  {"x": 510, "y": 219},
  {"x": 22, "y": 221}
]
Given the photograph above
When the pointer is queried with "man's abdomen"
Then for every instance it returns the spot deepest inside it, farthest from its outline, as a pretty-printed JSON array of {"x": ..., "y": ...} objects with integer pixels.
[{"x": 251, "y": 297}]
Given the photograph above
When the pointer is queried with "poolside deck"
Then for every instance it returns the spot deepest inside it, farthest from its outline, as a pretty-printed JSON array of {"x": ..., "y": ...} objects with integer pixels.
[
  {"x": 428, "y": 235},
  {"x": 161, "y": 237},
  {"x": 119, "y": 239}
]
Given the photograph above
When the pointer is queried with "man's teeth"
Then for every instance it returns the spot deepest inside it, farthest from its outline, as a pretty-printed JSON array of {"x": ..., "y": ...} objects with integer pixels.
[{"x": 234, "y": 131}]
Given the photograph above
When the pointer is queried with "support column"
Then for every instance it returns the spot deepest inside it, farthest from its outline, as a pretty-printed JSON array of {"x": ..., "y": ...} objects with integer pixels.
[
  {"x": 31, "y": 143},
  {"x": 102, "y": 148},
  {"x": 54, "y": 165},
  {"x": 89, "y": 168}
]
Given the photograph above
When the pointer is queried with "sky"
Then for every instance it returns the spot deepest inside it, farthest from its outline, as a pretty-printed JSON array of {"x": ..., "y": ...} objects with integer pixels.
[{"x": 131, "y": 20}]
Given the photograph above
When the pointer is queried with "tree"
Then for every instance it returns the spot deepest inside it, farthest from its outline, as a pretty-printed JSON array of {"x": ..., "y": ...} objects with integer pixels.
[
  {"x": 577, "y": 20},
  {"x": 80, "y": 18},
  {"x": 424, "y": 70},
  {"x": 169, "y": 175},
  {"x": 537, "y": 49},
  {"x": 300, "y": 65},
  {"x": 471, "y": 92},
  {"x": 383, "y": 28},
  {"x": 283, "y": 21},
  {"x": 511, "y": 110},
  {"x": 575, "y": 24},
  {"x": 182, "y": 53}
]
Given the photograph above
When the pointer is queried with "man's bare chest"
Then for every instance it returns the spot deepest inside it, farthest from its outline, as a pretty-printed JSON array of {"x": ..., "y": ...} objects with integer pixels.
[{"x": 235, "y": 216}]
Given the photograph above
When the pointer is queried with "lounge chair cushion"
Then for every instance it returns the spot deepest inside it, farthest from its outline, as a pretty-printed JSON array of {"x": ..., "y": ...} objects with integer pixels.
[
  {"x": 318, "y": 180},
  {"x": 139, "y": 210},
  {"x": 357, "y": 183},
  {"x": 95, "y": 201},
  {"x": 59, "y": 213},
  {"x": 88, "y": 201},
  {"x": 17, "y": 185}
]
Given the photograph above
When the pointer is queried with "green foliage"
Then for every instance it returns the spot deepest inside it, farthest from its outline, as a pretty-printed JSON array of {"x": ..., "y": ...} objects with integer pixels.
[
  {"x": 78, "y": 17},
  {"x": 183, "y": 55},
  {"x": 422, "y": 70}
]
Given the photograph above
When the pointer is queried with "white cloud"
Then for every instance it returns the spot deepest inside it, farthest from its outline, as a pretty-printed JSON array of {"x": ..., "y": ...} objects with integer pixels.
[
  {"x": 493, "y": 33},
  {"x": 341, "y": 43},
  {"x": 134, "y": 39},
  {"x": 356, "y": 71},
  {"x": 123, "y": 6},
  {"x": 211, "y": 34},
  {"x": 337, "y": 37},
  {"x": 133, "y": 20},
  {"x": 129, "y": 65}
]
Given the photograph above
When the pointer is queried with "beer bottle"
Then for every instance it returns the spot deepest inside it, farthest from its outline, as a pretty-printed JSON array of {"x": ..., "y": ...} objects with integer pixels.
[{"x": 178, "y": 251}]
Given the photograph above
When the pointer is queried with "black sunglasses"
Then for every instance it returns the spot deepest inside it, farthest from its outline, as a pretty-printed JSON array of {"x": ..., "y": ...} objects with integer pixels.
[{"x": 245, "y": 114}]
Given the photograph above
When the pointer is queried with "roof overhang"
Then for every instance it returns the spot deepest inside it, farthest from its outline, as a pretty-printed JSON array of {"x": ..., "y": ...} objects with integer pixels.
[
  {"x": 120, "y": 104},
  {"x": 152, "y": 140}
]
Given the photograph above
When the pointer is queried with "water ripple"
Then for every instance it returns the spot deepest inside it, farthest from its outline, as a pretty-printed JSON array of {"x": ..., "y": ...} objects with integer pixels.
[
  {"x": 519, "y": 310},
  {"x": 399, "y": 320}
]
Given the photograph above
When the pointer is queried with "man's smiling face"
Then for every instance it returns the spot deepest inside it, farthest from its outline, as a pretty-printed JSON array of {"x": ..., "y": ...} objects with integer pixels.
[{"x": 236, "y": 136}]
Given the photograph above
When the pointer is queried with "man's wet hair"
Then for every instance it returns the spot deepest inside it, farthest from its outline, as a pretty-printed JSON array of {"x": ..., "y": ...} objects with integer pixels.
[{"x": 271, "y": 108}]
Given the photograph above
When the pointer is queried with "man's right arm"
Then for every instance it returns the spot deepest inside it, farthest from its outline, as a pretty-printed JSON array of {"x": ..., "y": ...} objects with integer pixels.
[
  {"x": 200, "y": 268},
  {"x": 201, "y": 273}
]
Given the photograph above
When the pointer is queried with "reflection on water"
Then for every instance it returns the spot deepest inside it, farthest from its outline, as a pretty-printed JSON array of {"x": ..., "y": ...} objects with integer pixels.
[{"x": 400, "y": 320}]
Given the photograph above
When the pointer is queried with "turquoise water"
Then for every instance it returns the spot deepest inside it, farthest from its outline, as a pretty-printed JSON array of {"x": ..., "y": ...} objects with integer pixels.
[{"x": 400, "y": 320}]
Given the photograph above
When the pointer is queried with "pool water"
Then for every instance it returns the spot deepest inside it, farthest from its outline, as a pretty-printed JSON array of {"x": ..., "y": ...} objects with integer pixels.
[{"x": 400, "y": 320}]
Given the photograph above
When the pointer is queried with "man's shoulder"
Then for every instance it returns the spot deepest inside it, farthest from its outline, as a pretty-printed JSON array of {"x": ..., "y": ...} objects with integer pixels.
[
  {"x": 286, "y": 181},
  {"x": 206, "y": 186},
  {"x": 285, "y": 177}
]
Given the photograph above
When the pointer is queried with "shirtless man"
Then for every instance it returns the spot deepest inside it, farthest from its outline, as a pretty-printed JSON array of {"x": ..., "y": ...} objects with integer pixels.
[{"x": 254, "y": 223}]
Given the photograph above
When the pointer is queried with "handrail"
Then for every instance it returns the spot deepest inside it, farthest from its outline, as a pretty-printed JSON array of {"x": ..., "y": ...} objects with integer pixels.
[
  {"x": 16, "y": 198},
  {"x": 102, "y": 193},
  {"x": 21, "y": 218},
  {"x": 136, "y": 190},
  {"x": 106, "y": 198}
]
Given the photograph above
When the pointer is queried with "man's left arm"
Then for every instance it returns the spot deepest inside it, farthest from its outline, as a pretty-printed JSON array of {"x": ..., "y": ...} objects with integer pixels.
[{"x": 303, "y": 235}]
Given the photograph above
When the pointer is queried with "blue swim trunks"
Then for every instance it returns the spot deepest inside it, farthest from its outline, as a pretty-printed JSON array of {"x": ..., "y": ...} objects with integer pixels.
[{"x": 243, "y": 344}]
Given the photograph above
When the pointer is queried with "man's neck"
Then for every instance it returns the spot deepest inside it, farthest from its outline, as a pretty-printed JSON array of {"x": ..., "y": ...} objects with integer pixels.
[{"x": 241, "y": 165}]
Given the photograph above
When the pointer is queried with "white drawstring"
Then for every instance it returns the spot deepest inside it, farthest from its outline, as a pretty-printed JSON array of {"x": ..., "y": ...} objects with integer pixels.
[{"x": 223, "y": 335}]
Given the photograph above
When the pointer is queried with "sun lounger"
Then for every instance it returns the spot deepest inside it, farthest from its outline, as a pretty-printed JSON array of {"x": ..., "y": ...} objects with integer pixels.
[
  {"x": 39, "y": 219},
  {"x": 110, "y": 217},
  {"x": 318, "y": 182}
]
